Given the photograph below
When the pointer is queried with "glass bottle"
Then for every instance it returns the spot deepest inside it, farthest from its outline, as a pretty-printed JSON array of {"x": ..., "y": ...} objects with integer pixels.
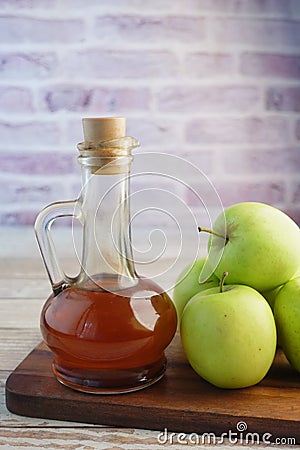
[{"x": 107, "y": 327}]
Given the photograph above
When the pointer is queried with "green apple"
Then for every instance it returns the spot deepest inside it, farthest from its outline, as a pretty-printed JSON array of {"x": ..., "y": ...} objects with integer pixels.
[
  {"x": 271, "y": 294},
  {"x": 260, "y": 248},
  {"x": 297, "y": 274},
  {"x": 229, "y": 336},
  {"x": 188, "y": 284},
  {"x": 287, "y": 318}
]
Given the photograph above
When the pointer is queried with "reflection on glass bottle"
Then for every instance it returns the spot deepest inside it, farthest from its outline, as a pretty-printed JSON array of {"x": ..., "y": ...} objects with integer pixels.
[{"x": 107, "y": 327}]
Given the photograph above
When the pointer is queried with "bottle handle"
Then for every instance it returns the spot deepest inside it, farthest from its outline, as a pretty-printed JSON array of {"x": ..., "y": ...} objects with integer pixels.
[{"x": 42, "y": 228}]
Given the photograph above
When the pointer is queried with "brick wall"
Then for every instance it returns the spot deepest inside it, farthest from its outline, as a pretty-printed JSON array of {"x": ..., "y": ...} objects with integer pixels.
[{"x": 216, "y": 82}]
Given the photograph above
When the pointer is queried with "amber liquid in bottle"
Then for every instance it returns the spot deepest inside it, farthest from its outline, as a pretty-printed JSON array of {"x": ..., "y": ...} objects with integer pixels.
[
  {"x": 109, "y": 340},
  {"x": 107, "y": 327}
]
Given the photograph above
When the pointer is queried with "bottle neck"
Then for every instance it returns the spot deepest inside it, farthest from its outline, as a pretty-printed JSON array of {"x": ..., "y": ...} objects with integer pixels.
[{"x": 107, "y": 261}]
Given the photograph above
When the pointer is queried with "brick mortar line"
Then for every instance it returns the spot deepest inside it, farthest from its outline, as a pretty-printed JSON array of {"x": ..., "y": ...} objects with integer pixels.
[
  {"x": 236, "y": 81},
  {"x": 120, "y": 45},
  {"x": 107, "y": 11},
  {"x": 214, "y": 178},
  {"x": 186, "y": 150},
  {"x": 48, "y": 117}
]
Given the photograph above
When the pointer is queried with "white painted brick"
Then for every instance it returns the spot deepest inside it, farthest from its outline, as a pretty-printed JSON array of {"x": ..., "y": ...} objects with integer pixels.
[
  {"x": 136, "y": 64},
  {"x": 29, "y": 133},
  {"x": 174, "y": 29},
  {"x": 17, "y": 5},
  {"x": 238, "y": 130},
  {"x": 14, "y": 29},
  {"x": 215, "y": 83},
  {"x": 28, "y": 66},
  {"x": 15, "y": 100},
  {"x": 211, "y": 98},
  {"x": 265, "y": 33}
]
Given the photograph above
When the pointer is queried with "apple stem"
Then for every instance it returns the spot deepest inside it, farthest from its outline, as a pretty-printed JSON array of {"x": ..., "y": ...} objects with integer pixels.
[
  {"x": 223, "y": 281},
  {"x": 207, "y": 230}
]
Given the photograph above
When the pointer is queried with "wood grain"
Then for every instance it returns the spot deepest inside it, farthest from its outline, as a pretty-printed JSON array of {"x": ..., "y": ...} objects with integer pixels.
[{"x": 181, "y": 401}]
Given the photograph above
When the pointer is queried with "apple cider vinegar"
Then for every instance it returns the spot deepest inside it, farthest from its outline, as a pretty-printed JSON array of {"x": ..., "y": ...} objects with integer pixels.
[
  {"x": 93, "y": 351},
  {"x": 107, "y": 327}
]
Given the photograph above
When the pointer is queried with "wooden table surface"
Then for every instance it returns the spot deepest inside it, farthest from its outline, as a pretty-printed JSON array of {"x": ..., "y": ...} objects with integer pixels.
[{"x": 24, "y": 288}]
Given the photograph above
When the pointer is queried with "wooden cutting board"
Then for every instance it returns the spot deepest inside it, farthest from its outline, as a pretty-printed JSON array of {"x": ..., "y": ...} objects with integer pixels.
[{"x": 181, "y": 402}]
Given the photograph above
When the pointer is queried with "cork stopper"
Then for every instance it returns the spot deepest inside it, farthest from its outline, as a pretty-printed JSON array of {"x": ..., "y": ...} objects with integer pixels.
[
  {"x": 104, "y": 128},
  {"x": 106, "y": 148}
]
